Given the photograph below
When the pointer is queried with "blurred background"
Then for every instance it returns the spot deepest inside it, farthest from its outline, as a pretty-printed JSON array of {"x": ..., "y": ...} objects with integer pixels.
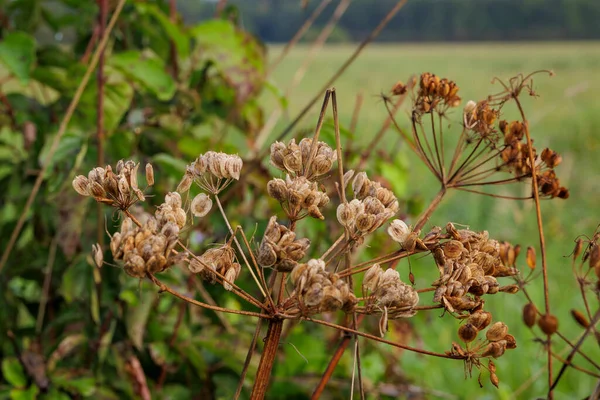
[{"x": 182, "y": 77}]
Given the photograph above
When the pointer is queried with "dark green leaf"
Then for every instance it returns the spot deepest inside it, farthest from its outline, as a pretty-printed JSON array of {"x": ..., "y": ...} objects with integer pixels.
[
  {"x": 25, "y": 394},
  {"x": 17, "y": 53}
]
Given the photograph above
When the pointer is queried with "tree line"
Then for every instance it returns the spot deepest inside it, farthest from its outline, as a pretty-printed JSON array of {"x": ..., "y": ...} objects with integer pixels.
[{"x": 419, "y": 20}]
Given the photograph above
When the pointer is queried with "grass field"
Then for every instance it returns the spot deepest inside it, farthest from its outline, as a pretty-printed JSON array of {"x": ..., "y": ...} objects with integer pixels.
[{"x": 565, "y": 116}]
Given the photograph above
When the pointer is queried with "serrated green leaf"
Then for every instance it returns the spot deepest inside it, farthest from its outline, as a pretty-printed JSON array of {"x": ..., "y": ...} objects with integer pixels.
[
  {"x": 148, "y": 72},
  {"x": 13, "y": 372},
  {"x": 17, "y": 53}
]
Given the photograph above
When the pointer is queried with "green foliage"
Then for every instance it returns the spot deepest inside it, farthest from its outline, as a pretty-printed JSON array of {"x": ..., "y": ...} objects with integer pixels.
[{"x": 96, "y": 329}]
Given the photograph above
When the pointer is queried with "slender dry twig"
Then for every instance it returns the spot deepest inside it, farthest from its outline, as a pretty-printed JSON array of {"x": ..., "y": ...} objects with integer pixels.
[
  {"x": 46, "y": 289},
  {"x": 294, "y": 40},
  {"x": 61, "y": 131}
]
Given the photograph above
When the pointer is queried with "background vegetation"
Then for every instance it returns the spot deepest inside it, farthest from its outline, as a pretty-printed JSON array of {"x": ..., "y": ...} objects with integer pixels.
[{"x": 171, "y": 92}]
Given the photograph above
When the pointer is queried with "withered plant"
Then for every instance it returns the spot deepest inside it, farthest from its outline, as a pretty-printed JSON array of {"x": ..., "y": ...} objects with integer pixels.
[{"x": 295, "y": 284}]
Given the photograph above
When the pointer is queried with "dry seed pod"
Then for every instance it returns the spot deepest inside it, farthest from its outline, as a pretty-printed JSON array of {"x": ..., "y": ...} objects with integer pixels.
[
  {"x": 80, "y": 184},
  {"x": 494, "y": 349},
  {"x": 530, "y": 258},
  {"x": 578, "y": 248},
  {"x": 595, "y": 259},
  {"x": 201, "y": 205},
  {"x": 185, "y": 183},
  {"x": 372, "y": 277},
  {"x": 548, "y": 323},
  {"x": 467, "y": 332},
  {"x": 480, "y": 319},
  {"x": 398, "y": 231},
  {"x": 511, "y": 342},
  {"x": 149, "y": 174},
  {"x": 98, "y": 255},
  {"x": 580, "y": 318},
  {"x": 493, "y": 377},
  {"x": 453, "y": 249},
  {"x": 496, "y": 332}
]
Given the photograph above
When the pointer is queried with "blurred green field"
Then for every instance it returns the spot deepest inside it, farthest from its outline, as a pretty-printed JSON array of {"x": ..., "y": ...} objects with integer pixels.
[{"x": 564, "y": 117}]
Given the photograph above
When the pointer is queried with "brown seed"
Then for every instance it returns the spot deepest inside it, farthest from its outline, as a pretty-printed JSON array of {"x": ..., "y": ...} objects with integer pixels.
[
  {"x": 80, "y": 184},
  {"x": 98, "y": 255},
  {"x": 595, "y": 259},
  {"x": 511, "y": 342},
  {"x": 149, "y": 174},
  {"x": 580, "y": 318},
  {"x": 467, "y": 332},
  {"x": 494, "y": 349},
  {"x": 496, "y": 332},
  {"x": 530, "y": 257},
  {"x": 578, "y": 248},
  {"x": 453, "y": 249},
  {"x": 494, "y": 379},
  {"x": 529, "y": 314},
  {"x": 548, "y": 323},
  {"x": 480, "y": 319}
]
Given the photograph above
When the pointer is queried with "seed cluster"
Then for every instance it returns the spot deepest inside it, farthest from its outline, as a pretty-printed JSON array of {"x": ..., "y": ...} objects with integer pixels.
[
  {"x": 372, "y": 206},
  {"x": 146, "y": 249},
  {"x": 436, "y": 93},
  {"x": 212, "y": 171},
  {"x": 497, "y": 341},
  {"x": 320, "y": 291},
  {"x": 480, "y": 117},
  {"x": 386, "y": 293},
  {"x": 215, "y": 263},
  {"x": 295, "y": 159},
  {"x": 516, "y": 160},
  {"x": 298, "y": 196},
  {"x": 469, "y": 266},
  {"x": 119, "y": 190},
  {"x": 280, "y": 249}
]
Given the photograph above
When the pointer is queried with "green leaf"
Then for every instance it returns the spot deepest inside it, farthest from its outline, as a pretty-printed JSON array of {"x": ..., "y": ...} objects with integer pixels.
[
  {"x": 171, "y": 166},
  {"x": 148, "y": 72},
  {"x": 67, "y": 149},
  {"x": 76, "y": 280},
  {"x": 175, "y": 32},
  {"x": 13, "y": 372},
  {"x": 83, "y": 385},
  {"x": 27, "y": 289},
  {"x": 25, "y": 394},
  {"x": 234, "y": 53},
  {"x": 17, "y": 53},
  {"x": 137, "y": 318},
  {"x": 11, "y": 146}
]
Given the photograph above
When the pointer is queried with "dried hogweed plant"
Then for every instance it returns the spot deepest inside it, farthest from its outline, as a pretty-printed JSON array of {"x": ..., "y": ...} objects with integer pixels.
[{"x": 295, "y": 284}]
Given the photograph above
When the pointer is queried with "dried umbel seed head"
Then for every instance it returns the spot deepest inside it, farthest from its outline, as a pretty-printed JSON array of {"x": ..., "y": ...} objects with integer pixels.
[
  {"x": 580, "y": 318},
  {"x": 529, "y": 314},
  {"x": 201, "y": 205},
  {"x": 480, "y": 319},
  {"x": 497, "y": 332},
  {"x": 530, "y": 257},
  {"x": 548, "y": 323},
  {"x": 467, "y": 332}
]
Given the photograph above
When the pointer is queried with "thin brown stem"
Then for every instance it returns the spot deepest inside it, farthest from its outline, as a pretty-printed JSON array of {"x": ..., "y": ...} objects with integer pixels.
[
  {"x": 380, "y": 340},
  {"x": 165, "y": 288},
  {"x": 61, "y": 131},
  {"x": 430, "y": 209},
  {"x": 538, "y": 212},
  {"x": 239, "y": 247},
  {"x": 46, "y": 289}
]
